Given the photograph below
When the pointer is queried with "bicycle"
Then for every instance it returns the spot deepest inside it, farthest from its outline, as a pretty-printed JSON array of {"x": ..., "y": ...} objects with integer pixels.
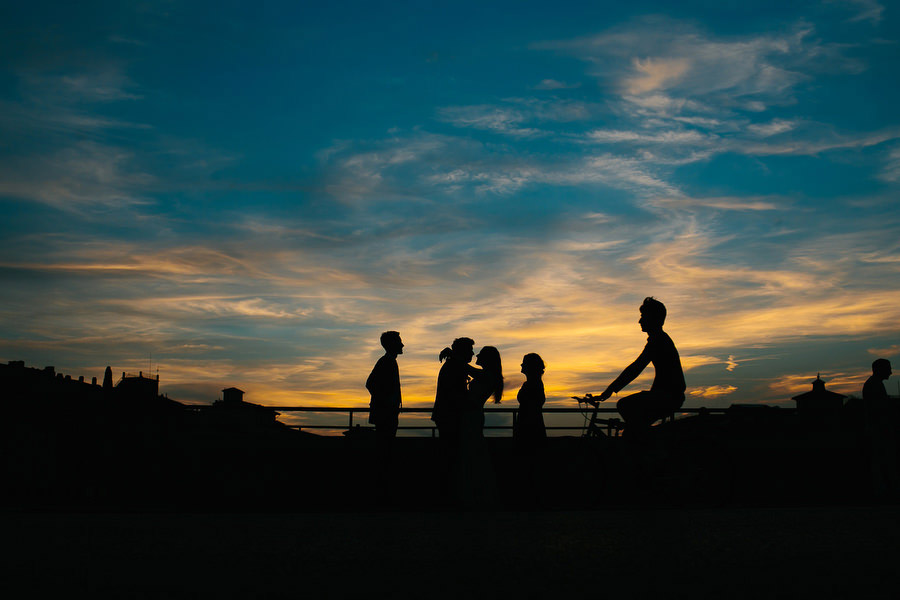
[{"x": 680, "y": 462}]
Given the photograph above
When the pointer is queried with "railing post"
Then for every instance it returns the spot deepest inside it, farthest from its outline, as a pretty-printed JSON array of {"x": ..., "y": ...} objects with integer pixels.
[{"x": 350, "y": 426}]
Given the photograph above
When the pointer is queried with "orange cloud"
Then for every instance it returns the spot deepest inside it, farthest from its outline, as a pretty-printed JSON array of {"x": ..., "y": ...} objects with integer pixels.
[
  {"x": 713, "y": 391},
  {"x": 654, "y": 74}
]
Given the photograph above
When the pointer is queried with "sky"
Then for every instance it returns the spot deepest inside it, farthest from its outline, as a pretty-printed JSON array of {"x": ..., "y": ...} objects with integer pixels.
[{"x": 248, "y": 194}]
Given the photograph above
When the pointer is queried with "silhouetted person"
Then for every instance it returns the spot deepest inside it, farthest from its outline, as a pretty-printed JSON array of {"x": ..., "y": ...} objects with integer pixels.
[
  {"x": 666, "y": 394},
  {"x": 880, "y": 435},
  {"x": 385, "y": 404},
  {"x": 530, "y": 433},
  {"x": 873, "y": 389},
  {"x": 452, "y": 387},
  {"x": 476, "y": 482}
]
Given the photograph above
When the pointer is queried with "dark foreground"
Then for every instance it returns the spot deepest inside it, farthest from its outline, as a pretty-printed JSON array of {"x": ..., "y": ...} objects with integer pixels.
[
  {"x": 824, "y": 552},
  {"x": 318, "y": 473}
]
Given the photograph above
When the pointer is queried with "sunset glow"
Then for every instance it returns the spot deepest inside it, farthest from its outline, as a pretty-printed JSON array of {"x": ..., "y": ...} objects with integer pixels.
[{"x": 248, "y": 196}]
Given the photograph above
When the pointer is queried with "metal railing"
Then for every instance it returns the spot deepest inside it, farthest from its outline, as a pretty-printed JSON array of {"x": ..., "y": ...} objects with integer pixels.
[{"x": 351, "y": 410}]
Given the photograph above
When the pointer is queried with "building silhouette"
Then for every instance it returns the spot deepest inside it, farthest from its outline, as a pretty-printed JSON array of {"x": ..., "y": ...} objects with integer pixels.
[
  {"x": 65, "y": 440},
  {"x": 820, "y": 408},
  {"x": 231, "y": 410},
  {"x": 138, "y": 386}
]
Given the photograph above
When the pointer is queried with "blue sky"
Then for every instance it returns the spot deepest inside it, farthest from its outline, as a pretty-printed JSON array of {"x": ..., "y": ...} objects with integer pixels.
[{"x": 251, "y": 193}]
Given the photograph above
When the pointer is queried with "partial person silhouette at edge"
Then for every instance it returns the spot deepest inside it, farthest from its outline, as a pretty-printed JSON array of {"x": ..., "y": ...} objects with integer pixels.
[
  {"x": 385, "y": 404},
  {"x": 666, "y": 394},
  {"x": 449, "y": 399},
  {"x": 880, "y": 438},
  {"x": 476, "y": 480},
  {"x": 530, "y": 433}
]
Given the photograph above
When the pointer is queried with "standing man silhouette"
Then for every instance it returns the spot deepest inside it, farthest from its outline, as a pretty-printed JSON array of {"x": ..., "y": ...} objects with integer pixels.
[
  {"x": 880, "y": 434},
  {"x": 873, "y": 390},
  {"x": 666, "y": 394},
  {"x": 385, "y": 403}
]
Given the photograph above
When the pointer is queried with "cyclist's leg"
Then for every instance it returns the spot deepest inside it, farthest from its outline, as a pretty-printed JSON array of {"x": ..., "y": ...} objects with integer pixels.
[
  {"x": 637, "y": 410},
  {"x": 661, "y": 405}
]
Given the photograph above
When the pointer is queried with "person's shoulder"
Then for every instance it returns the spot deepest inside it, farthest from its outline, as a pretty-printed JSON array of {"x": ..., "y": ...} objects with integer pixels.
[
  {"x": 873, "y": 388},
  {"x": 660, "y": 338},
  {"x": 448, "y": 366}
]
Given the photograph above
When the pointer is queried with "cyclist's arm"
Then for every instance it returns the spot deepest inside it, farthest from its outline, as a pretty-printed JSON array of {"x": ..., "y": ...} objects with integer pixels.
[{"x": 629, "y": 374}]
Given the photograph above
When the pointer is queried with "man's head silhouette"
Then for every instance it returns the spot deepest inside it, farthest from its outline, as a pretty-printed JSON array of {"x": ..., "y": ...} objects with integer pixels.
[
  {"x": 463, "y": 349},
  {"x": 391, "y": 342},
  {"x": 881, "y": 368},
  {"x": 653, "y": 314}
]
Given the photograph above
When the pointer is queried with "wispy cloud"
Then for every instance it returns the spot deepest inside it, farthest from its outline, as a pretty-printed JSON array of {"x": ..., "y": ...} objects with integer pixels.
[
  {"x": 87, "y": 174},
  {"x": 732, "y": 363},
  {"x": 891, "y": 169},
  {"x": 74, "y": 151},
  {"x": 604, "y": 169},
  {"x": 661, "y": 137},
  {"x": 491, "y": 118},
  {"x": 773, "y": 127},
  {"x": 823, "y": 140},
  {"x": 108, "y": 83},
  {"x": 865, "y": 10},
  {"x": 654, "y": 74},
  {"x": 713, "y": 391},
  {"x": 723, "y": 203},
  {"x": 553, "y": 84},
  {"x": 702, "y": 94},
  {"x": 511, "y": 115},
  {"x": 660, "y": 54},
  {"x": 893, "y": 350}
]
